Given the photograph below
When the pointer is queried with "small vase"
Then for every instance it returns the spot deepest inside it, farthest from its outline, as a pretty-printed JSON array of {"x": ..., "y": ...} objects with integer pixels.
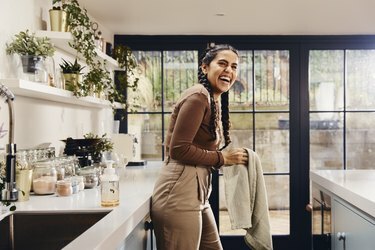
[
  {"x": 30, "y": 62},
  {"x": 71, "y": 81},
  {"x": 23, "y": 183},
  {"x": 58, "y": 19}
]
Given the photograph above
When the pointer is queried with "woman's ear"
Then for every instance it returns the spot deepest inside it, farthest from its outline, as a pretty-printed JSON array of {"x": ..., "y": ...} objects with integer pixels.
[{"x": 204, "y": 68}]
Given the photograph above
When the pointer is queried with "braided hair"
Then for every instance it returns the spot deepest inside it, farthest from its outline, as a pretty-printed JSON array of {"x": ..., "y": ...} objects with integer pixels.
[{"x": 206, "y": 58}]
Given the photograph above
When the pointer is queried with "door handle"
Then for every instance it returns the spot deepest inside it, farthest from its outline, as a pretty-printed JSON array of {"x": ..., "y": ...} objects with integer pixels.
[{"x": 309, "y": 208}]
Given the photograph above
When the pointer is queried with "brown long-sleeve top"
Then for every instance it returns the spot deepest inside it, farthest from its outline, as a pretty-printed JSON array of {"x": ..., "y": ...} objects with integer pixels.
[{"x": 188, "y": 138}]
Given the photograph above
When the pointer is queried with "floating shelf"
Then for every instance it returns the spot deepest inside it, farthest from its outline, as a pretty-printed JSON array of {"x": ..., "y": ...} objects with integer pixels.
[
  {"x": 44, "y": 92},
  {"x": 61, "y": 40}
]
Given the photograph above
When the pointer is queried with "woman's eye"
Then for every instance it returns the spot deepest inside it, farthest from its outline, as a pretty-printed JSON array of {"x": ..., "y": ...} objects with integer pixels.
[{"x": 223, "y": 64}]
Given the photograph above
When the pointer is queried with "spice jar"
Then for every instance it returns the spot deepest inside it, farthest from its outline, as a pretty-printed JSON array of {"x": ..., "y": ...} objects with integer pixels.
[
  {"x": 64, "y": 188},
  {"x": 44, "y": 177},
  {"x": 90, "y": 177},
  {"x": 79, "y": 180}
]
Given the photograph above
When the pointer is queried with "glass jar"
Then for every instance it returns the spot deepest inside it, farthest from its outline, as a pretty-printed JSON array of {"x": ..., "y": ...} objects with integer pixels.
[
  {"x": 90, "y": 177},
  {"x": 44, "y": 177},
  {"x": 64, "y": 188}
]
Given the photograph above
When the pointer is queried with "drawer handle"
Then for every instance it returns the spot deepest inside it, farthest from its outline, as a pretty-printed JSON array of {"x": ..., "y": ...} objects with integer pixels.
[{"x": 341, "y": 236}]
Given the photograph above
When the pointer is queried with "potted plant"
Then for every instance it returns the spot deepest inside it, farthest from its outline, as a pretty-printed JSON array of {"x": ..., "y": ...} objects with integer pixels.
[
  {"x": 97, "y": 82},
  {"x": 58, "y": 17},
  {"x": 126, "y": 79},
  {"x": 103, "y": 145},
  {"x": 32, "y": 49},
  {"x": 72, "y": 74}
]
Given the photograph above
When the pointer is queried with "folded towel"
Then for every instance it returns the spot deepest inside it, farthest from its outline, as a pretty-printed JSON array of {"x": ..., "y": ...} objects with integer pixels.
[{"x": 246, "y": 197}]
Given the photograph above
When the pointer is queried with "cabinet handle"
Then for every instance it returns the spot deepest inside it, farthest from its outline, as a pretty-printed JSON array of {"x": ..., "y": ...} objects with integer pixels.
[
  {"x": 341, "y": 236},
  {"x": 149, "y": 225}
]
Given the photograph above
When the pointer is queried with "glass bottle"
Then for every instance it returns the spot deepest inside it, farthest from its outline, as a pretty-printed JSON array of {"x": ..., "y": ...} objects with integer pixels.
[{"x": 110, "y": 187}]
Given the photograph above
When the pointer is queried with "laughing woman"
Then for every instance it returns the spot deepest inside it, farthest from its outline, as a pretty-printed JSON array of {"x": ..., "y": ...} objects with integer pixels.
[{"x": 181, "y": 213}]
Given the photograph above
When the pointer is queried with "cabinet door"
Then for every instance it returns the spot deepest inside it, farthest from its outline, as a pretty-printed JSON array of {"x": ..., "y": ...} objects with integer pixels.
[{"x": 359, "y": 230}]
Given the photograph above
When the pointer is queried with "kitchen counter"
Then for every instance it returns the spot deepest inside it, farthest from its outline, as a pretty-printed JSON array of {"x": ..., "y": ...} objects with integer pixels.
[
  {"x": 357, "y": 187},
  {"x": 110, "y": 232}
]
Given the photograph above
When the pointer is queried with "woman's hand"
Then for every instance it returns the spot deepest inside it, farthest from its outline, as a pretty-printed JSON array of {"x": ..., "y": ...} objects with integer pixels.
[{"x": 235, "y": 156}]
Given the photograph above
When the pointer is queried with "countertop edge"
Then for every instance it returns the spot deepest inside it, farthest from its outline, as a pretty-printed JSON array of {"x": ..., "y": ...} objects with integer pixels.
[{"x": 364, "y": 204}]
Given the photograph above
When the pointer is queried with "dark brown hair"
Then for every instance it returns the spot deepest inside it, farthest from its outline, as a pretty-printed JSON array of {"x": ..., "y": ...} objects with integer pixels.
[{"x": 206, "y": 58}]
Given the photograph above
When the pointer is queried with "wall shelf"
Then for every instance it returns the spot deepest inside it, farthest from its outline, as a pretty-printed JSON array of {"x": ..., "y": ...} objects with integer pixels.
[
  {"x": 61, "y": 40},
  {"x": 43, "y": 92}
]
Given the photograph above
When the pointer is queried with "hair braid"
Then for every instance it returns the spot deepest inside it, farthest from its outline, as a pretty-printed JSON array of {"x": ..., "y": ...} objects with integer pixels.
[
  {"x": 202, "y": 78},
  {"x": 225, "y": 118}
]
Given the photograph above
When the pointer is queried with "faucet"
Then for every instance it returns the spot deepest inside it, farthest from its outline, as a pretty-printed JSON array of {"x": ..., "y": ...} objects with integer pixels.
[{"x": 9, "y": 193}]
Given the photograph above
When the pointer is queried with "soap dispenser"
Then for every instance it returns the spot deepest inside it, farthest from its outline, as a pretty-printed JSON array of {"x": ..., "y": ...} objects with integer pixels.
[{"x": 110, "y": 186}]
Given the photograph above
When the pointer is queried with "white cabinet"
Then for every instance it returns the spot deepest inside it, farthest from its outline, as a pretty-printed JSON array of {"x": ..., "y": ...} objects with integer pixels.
[
  {"x": 140, "y": 238},
  {"x": 352, "y": 229}
]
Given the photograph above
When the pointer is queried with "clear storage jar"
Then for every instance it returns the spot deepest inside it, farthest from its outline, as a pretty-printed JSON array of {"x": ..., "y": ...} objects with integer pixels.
[
  {"x": 44, "y": 177},
  {"x": 64, "y": 188}
]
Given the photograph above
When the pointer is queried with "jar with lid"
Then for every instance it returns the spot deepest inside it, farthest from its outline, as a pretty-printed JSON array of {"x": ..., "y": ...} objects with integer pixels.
[
  {"x": 44, "y": 177},
  {"x": 90, "y": 177},
  {"x": 64, "y": 188}
]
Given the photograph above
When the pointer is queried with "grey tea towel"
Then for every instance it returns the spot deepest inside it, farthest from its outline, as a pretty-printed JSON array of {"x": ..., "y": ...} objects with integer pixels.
[{"x": 246, "y": 198}]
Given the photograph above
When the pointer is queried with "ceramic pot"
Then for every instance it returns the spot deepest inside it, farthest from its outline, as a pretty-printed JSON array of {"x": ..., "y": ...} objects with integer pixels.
[
  {"x": 30, "y": 63},
  {"x": 58, "y": 19},
  {"x": 71, "y": 81}
]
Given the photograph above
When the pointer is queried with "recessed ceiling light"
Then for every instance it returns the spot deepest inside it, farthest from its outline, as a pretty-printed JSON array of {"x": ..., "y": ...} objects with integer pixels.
[{"x": 219, "y": 14}]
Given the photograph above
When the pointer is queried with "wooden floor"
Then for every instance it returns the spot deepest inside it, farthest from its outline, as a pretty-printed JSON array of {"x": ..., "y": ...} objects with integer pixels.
[{"x": 279, "y": 220}]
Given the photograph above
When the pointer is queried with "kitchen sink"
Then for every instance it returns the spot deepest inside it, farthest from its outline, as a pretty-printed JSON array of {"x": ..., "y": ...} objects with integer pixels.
[{"x": 45, "y": 230}]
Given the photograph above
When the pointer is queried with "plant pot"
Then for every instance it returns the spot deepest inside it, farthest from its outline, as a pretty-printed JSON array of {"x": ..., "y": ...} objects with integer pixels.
[
  {"x": 30, "y": 62},
  {"x": 58, "y": 19},
  {"x": 71, "y": 81},
  {"x": 23, "y": 183}
]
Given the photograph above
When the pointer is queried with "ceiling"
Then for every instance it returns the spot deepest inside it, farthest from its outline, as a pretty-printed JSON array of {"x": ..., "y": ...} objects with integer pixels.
[{"x": 233, "y": 17}]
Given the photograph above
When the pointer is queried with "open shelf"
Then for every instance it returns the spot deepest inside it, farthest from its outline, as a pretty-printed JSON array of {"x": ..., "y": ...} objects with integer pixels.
[
  {"x": 41, "y": 91},
  {"x": 61, "y": 40}
]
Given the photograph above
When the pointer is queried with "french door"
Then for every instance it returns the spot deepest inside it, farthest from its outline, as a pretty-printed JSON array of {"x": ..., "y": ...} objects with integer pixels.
[{"x": 281, "y": 106}]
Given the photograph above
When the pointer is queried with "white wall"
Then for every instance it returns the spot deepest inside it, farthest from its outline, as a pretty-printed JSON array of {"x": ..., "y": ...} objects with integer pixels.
[{"x": 39, "y": 121}]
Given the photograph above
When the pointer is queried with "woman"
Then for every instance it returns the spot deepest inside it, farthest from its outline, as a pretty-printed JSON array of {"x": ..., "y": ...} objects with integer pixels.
[{"x": 181, "y": 213}]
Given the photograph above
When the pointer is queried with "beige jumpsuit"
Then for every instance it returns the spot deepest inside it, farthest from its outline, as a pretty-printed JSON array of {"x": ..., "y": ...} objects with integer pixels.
[{"x": 181, "y": 213}]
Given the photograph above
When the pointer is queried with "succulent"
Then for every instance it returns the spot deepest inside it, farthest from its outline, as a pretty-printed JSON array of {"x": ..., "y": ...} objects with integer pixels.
[{"x": 69, "y": 67}]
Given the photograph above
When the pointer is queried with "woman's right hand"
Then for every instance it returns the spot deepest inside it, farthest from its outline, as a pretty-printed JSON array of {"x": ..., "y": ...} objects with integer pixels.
[{"x": 235, "y": 156}]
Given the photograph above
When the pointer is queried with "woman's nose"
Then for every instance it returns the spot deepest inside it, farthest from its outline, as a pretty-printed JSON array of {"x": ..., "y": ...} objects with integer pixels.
[{"x": 228, "y": 69}]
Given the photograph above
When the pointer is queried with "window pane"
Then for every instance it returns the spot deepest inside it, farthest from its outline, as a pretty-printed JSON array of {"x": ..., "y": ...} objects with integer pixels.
[
  {"x": 272, "y": 143},
  {"x": 326, "y": 74},
  {"x": 271, "y": 79},
  {"x": 278, "y": 202},
  {"x": 360, "y": 139},
  {"x": 326, "y": 141},
  {"x": 148, "y": 94},
  {"x": 360, "y": 79},
  {"x": 241, "y": 131},
  {"x": 180, "y": 72},
  {"x": 241, "y": 93}
]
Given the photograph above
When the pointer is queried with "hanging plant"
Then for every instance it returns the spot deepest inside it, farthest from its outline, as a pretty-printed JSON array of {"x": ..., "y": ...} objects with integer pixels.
[{"x": 126, "y": 79}]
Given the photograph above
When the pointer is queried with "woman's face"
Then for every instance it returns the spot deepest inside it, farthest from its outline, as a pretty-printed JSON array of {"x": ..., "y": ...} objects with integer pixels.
[{"x": 222, "y": 71}]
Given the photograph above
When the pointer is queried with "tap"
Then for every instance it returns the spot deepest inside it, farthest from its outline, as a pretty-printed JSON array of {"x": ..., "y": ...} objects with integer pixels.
[{"x": 9, "y": 193}]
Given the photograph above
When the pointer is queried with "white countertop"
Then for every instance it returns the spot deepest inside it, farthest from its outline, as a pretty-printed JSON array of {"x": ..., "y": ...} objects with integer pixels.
[
  {"x": 355, "y": 186},
  {"x": 135, "y": 192}
]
